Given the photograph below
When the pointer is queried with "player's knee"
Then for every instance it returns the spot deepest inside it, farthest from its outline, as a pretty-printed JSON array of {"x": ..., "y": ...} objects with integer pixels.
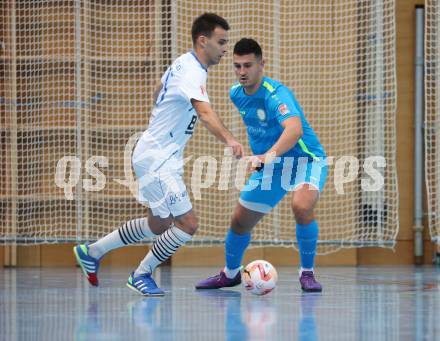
[
  {"x": 302, "y": 211},
  {"x": 159, "y": 225},
  {"x": 187, "y": 222}
]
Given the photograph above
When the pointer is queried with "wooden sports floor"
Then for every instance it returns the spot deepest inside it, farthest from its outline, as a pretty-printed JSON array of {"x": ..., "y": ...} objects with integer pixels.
[{"x": 358, "y": 303}]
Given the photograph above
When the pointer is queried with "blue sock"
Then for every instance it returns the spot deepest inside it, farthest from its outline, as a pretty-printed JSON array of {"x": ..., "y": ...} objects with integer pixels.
[
  {"x": 235, "y": 246},
  {"x": 307, "y": 236}
]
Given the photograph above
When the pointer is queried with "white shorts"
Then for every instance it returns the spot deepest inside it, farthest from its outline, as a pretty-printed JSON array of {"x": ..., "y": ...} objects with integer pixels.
[{"x": 162, "y": 189}]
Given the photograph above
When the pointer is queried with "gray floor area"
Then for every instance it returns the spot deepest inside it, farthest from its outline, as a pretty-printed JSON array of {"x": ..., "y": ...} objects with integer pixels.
[{"x": 364, "y": 303}]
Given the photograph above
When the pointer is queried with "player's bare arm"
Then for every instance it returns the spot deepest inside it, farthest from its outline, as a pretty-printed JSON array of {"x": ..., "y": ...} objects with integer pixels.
[
  {"x": 290, "y": 136},
  {"x": 211, "y": 121}
]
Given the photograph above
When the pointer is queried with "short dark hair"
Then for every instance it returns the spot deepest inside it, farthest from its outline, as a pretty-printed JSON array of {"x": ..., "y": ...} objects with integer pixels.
[
  {"x": 247, "y": 46},
  {"x": 206, "y": 24}
]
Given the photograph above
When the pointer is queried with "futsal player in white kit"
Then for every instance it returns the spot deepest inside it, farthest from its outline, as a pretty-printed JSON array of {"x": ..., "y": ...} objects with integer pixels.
[{"x": 180, "y": 100}]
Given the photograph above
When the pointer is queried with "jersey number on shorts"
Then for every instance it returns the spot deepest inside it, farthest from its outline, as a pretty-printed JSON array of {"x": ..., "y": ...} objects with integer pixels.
[{"x": 190, "y": 129}]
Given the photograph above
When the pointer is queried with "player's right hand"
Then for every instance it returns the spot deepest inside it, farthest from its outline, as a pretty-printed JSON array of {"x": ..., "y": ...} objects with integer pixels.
[{"x": 237, "y": 148}]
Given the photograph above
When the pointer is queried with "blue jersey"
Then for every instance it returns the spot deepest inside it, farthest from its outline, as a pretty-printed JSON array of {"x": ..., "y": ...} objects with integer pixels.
[{"x": 264, "y": 111}]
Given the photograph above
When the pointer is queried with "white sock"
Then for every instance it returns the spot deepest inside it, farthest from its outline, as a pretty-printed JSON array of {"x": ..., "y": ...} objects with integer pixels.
[
  {"x": 304, "y": 269},
  {"x": 231, "y": 273},
  {"x": 129, "y": 233},
  {"x": 163, "y": 248}
]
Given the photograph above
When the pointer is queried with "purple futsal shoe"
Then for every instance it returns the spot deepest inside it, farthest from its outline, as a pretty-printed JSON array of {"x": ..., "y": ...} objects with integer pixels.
[
  {"x": 309, "y": 283},
  {"x": 219, "y": 281}
]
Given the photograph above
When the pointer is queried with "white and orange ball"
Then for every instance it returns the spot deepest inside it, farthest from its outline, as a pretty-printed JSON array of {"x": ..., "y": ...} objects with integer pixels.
[{"x": 259, "y": 277}]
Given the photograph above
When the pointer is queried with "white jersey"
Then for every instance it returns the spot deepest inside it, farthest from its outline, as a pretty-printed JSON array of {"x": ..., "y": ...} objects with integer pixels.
[{"x": 173, "y": 118}]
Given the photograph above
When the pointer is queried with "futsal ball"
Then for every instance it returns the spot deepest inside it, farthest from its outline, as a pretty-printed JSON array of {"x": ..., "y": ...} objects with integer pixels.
[{"x": 259, "y": 277}]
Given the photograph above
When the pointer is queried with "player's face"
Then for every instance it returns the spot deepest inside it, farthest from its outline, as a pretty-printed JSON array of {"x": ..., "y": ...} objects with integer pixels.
[
  {"x": 215, "y": 47},
  {"x": 248, "y": 69}
]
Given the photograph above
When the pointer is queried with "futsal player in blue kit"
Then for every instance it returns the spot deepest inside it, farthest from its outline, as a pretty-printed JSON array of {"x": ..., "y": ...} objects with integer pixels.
[{"x": 288, "y": 157}]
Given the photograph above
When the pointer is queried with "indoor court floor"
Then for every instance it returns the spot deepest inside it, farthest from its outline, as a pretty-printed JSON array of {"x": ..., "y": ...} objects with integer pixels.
[{"x": 358, "y": 303}]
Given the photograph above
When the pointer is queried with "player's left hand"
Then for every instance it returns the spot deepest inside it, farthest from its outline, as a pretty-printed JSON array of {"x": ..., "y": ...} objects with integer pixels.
[{"x": 258, "y": 161}]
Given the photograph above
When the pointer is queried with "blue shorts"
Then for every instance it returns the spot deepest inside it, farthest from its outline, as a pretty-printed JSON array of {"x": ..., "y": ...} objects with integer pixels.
[{"x": 265, "y": 188}]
